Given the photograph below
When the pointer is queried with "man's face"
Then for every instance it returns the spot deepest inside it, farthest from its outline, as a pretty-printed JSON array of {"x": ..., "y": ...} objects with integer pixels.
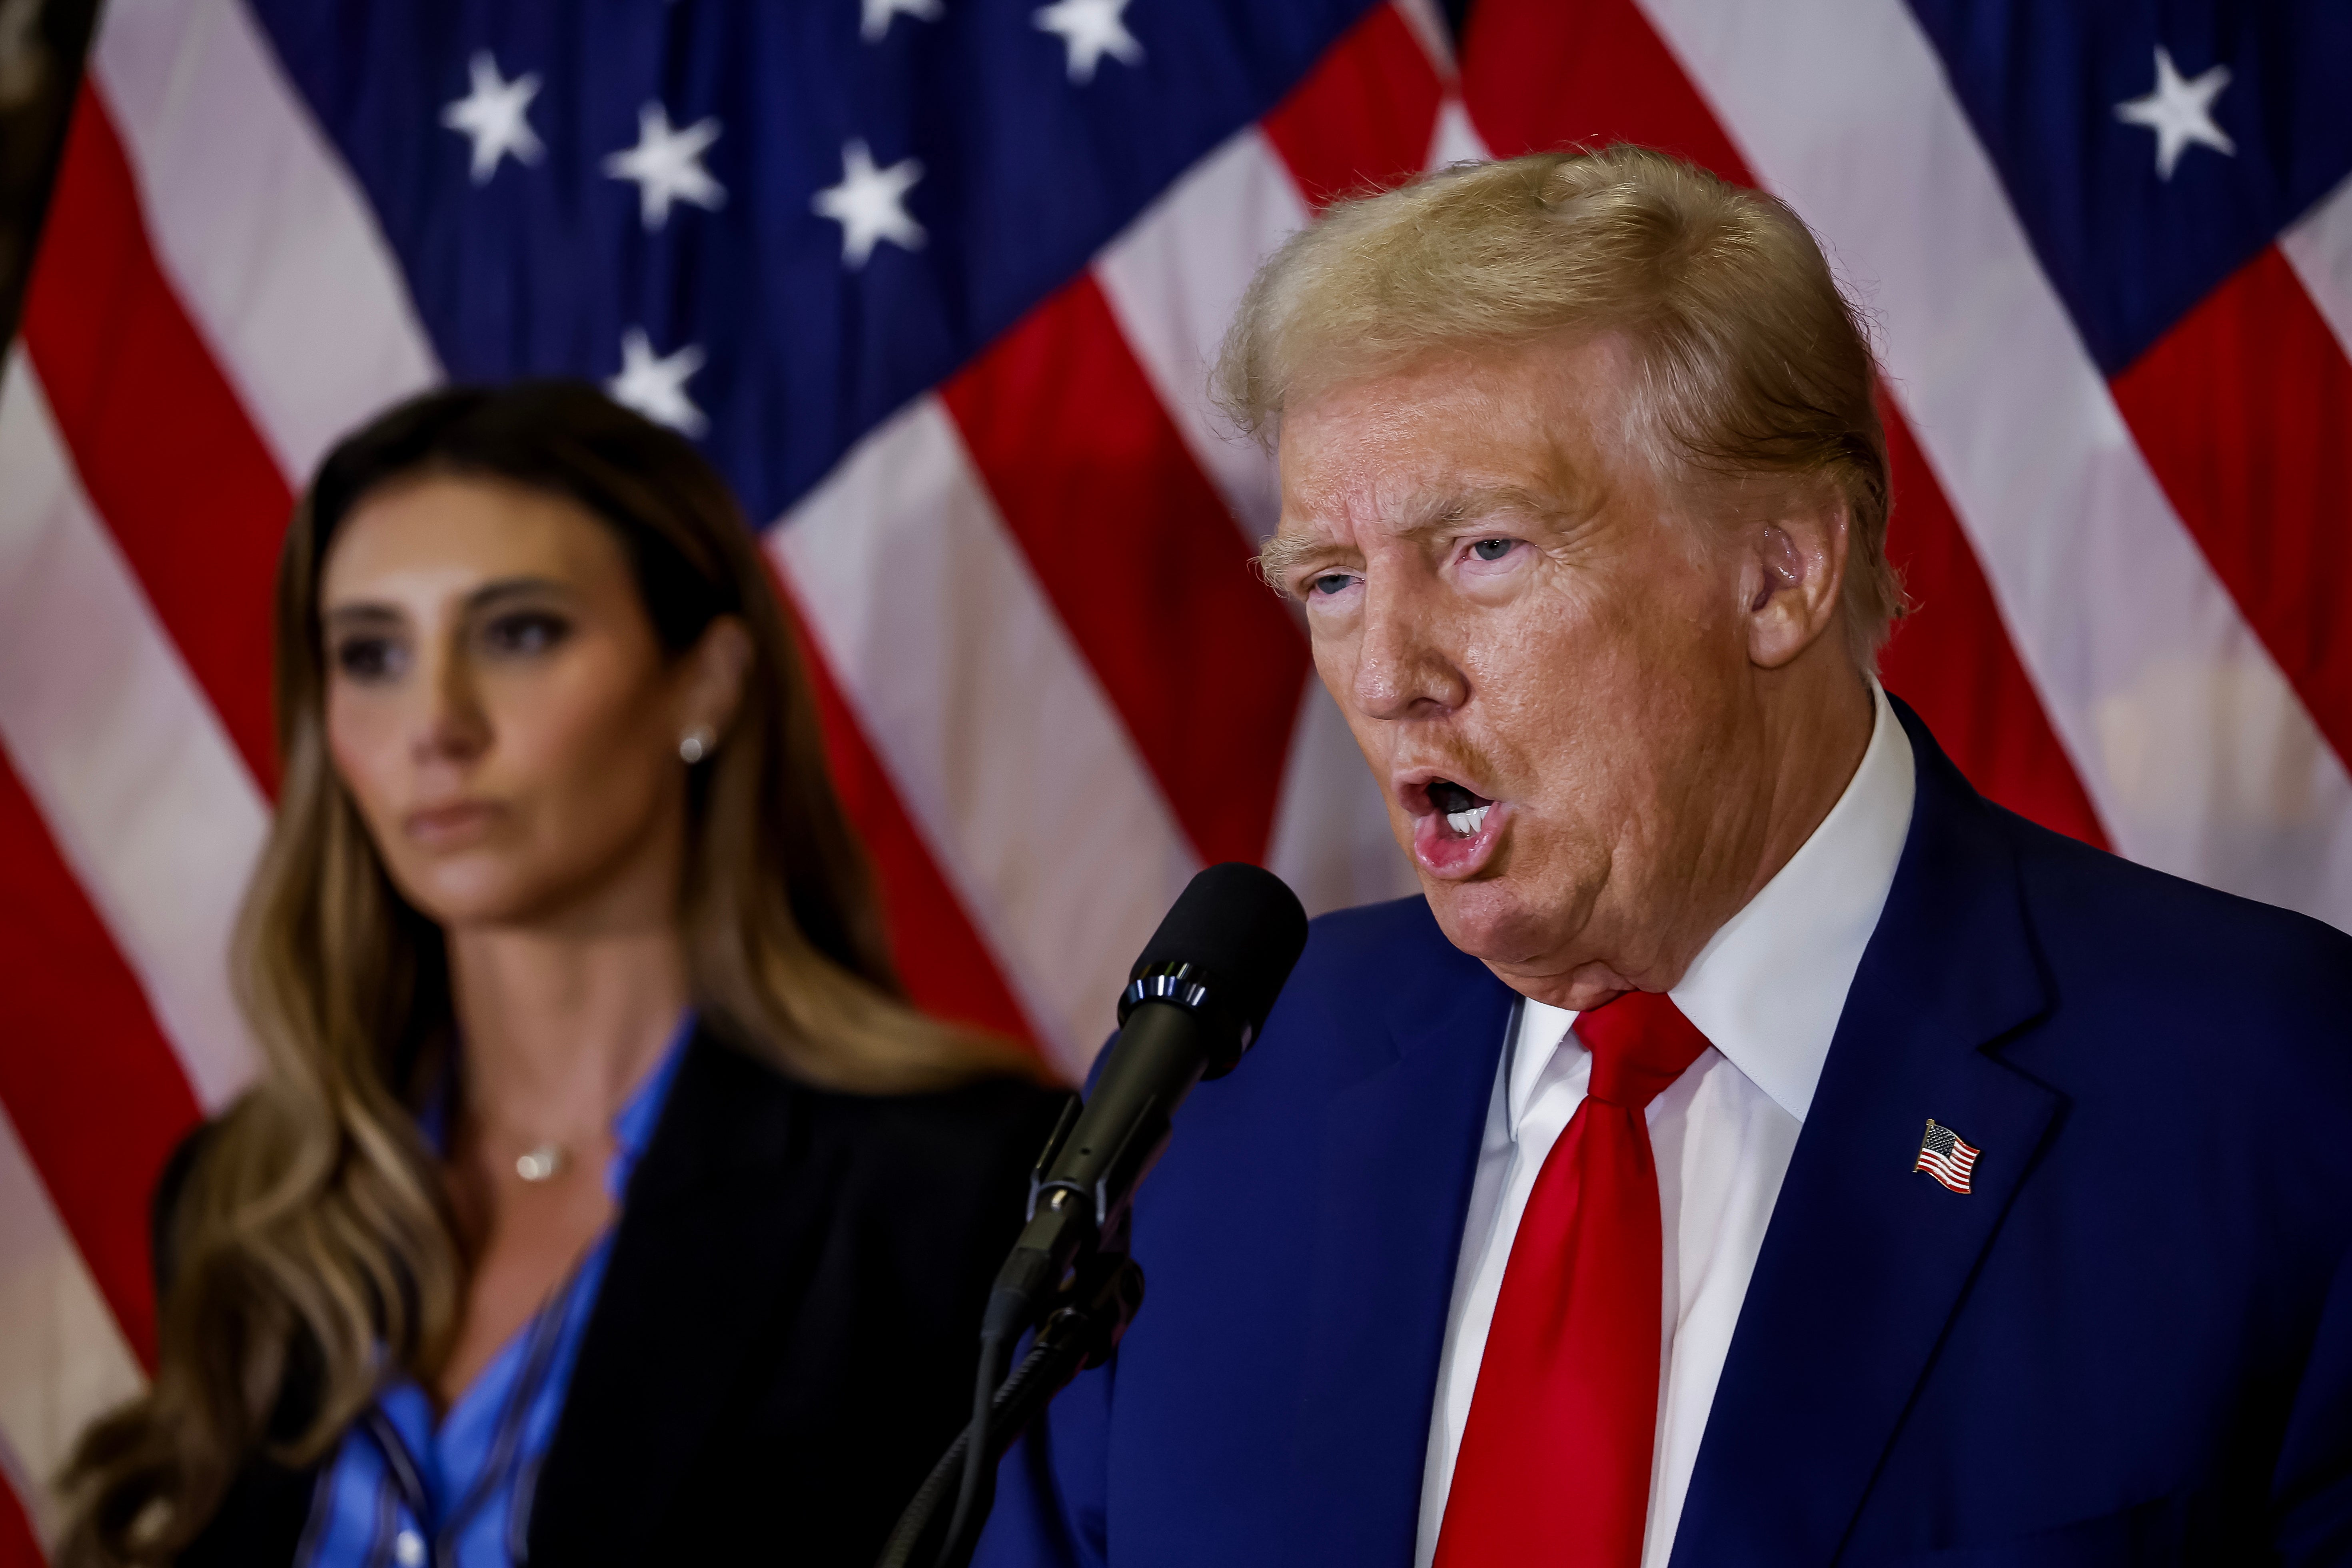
[{"x": 1548, "y": 668}]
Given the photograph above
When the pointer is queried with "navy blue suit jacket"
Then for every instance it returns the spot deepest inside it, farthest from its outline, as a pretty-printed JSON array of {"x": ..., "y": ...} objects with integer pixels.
[{"x": 2132, "y": 1342}]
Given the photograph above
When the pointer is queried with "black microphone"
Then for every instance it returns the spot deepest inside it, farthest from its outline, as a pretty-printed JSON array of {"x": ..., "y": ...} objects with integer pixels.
[{"x": 1194, "y": 1002}]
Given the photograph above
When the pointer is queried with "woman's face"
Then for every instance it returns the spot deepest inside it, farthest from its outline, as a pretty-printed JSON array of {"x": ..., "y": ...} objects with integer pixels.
[{"x": 499, "y": 709}]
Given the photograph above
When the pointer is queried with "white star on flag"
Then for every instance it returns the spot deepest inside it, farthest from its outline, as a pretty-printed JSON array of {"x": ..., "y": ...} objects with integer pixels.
[
  {"x": 655, "y": 385},
  {"x": 495, "y": 115},
  {"x": 667, "y": 165},
  {"x": 1090, "y": 29},
  {"x": 873, "y": 25},
  {"x": 2181, "y": 111},
  {"x": 870, "y": 203}
]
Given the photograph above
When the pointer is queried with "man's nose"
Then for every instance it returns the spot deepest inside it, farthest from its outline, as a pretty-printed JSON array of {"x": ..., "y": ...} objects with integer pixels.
[{"x": 1402, "y": 668}]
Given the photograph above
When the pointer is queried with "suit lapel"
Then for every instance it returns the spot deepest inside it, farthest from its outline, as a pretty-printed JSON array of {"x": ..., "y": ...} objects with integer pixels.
[
  {"x": 1864, "y": 1261},
  {"x": 712, "y": 1233},
  {"x": 1399, "y": 1151}
]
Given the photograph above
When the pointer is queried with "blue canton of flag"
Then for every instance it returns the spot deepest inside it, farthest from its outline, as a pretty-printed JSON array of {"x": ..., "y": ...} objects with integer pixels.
[
  {"x": 2151, "y": 149},
  {"x": 770, "y": 226}
]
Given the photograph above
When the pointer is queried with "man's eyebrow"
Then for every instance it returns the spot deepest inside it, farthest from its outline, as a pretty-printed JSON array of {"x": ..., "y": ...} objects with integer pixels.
[
  {"x": 1447, "y": 513},
  {"x": 1286, "y": 550},
  {"x": 1469, "y": 506},
  {"x": 1284, "y": 553}
]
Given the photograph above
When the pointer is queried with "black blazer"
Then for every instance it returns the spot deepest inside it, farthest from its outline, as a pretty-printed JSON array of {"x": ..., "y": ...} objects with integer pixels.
[{"x": 786, "y": 1336}]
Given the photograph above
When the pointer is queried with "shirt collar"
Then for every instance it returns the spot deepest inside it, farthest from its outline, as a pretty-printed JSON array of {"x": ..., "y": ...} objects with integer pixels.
[{"x": 1767, "y": 988}]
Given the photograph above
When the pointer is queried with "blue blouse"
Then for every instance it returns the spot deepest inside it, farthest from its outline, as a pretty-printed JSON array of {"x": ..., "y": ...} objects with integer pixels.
[{"x": 401, "y": 1492}]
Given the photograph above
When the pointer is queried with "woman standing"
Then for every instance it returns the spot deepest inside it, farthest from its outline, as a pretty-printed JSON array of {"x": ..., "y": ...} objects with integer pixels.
[{"x": 602, "y": 1199}]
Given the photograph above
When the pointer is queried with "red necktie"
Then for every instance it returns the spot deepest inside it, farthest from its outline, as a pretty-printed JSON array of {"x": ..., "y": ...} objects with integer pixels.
[{"x": 1554, "y": 1469}]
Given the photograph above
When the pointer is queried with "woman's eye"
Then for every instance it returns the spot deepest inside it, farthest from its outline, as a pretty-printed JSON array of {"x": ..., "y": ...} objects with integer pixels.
[
  {"x": 1330, "y": 583},
  {"x": 368, "y": 658},
  {"x": 525, "y": 632},
  {"x": 1492, "y": 549}
]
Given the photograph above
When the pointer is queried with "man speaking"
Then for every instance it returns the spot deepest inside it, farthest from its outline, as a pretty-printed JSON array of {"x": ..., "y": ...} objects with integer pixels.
[{"x": 1755, "y": 1147}]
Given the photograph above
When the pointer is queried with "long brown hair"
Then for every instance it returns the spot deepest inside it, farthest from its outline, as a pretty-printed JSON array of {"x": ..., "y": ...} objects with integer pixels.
[{"x": 312, "y": 1248}]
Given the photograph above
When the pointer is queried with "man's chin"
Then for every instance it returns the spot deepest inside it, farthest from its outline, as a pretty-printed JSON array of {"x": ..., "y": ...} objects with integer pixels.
[{"x": 1489, "y": 920}]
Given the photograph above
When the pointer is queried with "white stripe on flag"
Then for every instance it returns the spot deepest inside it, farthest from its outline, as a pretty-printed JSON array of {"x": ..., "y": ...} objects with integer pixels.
[
  {"x": 1173, "y": 278},
  {"x": 2319, "y": 246},
  {"x": 259, "y": 225},
  {"x": 1005, "y": 752},
  {"x": 2192, "y": 745},
  {"x": 1431, "y": 31},
  {"x": 145, "y": 798},
  {"x": 1456, "y": 139},
  {"x": 62, "y": 1360}
]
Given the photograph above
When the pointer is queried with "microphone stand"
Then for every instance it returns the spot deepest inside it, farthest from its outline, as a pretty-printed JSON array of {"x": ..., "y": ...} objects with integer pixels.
[{"x": 1080, "y": 1330}]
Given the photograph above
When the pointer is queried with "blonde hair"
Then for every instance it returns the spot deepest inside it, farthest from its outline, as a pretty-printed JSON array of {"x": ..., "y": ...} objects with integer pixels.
[
  {"x": 313, "y": 1247},
  {"x": 1750, "y": 365}
]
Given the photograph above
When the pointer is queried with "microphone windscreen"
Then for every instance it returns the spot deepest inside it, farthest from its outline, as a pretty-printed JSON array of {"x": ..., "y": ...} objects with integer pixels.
[{"x": 1244, "y": 927}]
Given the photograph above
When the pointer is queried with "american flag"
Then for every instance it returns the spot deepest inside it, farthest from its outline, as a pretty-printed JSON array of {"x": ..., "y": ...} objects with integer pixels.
[
  {"x": 935, "y": 282},
  {"x": 1946, "y": 1156}
]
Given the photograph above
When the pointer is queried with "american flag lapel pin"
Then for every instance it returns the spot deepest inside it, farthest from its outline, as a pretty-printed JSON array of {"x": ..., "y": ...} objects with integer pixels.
[{"x": 1947, "y": 1156}]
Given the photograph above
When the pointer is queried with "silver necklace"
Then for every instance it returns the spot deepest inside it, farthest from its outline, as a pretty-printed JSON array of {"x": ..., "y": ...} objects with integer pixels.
[{"x": 542, "y": 1164}]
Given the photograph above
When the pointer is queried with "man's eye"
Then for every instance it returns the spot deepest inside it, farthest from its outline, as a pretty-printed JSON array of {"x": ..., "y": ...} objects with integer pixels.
[
  {"x": 368, "y": 658},
  {"x": 1492, "y": 549},
  {"x": 1330, "y": 583},
  {"x": 525, "y": 631}
]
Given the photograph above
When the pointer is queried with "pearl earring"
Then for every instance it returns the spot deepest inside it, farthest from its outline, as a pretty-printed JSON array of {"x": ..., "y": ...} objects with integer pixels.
[{"x": 696, "y": 744}]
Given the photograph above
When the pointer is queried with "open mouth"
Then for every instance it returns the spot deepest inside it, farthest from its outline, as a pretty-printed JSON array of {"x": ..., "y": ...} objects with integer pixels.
[
  {"x": 1464, "y": 811},
  {"x": 1456, "y": 830}
]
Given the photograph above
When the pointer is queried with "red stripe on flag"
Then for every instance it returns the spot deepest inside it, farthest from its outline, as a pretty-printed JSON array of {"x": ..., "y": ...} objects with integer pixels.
[
  {"x": 1534, "y": 77},
  {"x": 1952, "y": 659},
  {"x": 19, "y": 1547},
  {"x": 1142, "y": 560},
  {"x": 1536, "y": 74},
  {"x": 97, "y": 1096},
  {"x": 948, "y": 971},
  {"x": 1364, "y": 117},
  {"x": 2245, "y": 411},
  {"x": 159, "y": 439}
]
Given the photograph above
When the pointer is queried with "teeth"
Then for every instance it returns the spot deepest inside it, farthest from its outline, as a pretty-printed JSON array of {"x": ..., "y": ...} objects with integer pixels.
[{"x": 1466, "y": 823}]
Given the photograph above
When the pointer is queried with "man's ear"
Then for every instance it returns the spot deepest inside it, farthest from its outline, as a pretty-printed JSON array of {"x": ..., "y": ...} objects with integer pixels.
[
  {"x": 715, "y": 667},
  {"x": 1792, "y": 577}
]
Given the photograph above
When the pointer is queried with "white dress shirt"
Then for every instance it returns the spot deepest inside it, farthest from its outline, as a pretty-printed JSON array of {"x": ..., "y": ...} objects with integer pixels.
[{"x": 1766, "y": 991}]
